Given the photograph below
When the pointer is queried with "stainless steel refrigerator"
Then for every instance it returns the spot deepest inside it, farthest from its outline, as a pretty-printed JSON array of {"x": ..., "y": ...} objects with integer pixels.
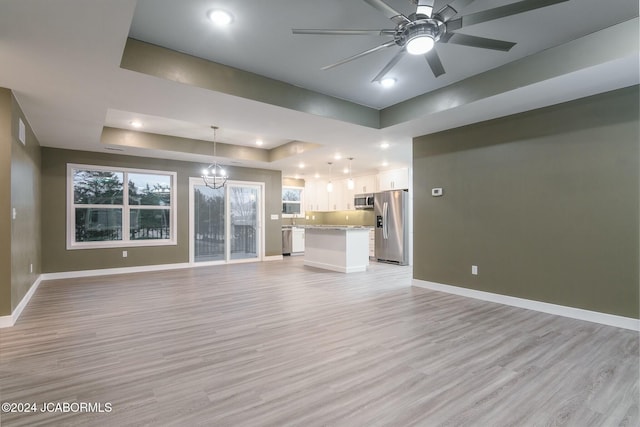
[{"x": 392, "y": 218}]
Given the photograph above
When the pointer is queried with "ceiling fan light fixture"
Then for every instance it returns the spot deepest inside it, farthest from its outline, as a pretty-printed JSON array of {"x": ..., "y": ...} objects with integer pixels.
[{"x": 420, "y": 44}]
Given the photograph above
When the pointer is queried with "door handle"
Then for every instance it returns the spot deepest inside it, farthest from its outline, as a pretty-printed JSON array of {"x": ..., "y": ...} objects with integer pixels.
[{"x": 385, "y": 220}]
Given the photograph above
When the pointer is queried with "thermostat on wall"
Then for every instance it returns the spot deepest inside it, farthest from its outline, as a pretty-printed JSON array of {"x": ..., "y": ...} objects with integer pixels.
[{"x": 436, "y": 192}]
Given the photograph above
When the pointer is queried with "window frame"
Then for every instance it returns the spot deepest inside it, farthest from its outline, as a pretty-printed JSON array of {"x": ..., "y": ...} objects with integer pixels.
[
  {"x": 301, "y": 202},
  {"x": 125, "y": 207}
]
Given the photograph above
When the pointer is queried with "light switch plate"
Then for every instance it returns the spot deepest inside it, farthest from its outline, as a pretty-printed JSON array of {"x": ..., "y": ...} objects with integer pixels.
[
  {"x": 436, "y": 192},
  {"x": 275, "y": 216},
  {"x": 22, "y": 132}
]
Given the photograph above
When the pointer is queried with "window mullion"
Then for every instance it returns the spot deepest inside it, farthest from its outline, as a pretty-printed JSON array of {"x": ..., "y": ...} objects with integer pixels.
[{"x": 125, "y": 209}]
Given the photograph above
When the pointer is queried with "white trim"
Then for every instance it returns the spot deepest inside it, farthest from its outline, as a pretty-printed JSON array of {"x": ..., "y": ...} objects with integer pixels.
[
  {"x": 301, "y": 202},
  {"x": 110, "y": 271},
  {"x": 334, "y": 267},
  {"x": 544, "y": 307},
  {"x": 273, "y": 258},
  {"x": 125, "y": 207},
  {"x": 8, "y": 321},
  {"x": 260, "y": 233}
]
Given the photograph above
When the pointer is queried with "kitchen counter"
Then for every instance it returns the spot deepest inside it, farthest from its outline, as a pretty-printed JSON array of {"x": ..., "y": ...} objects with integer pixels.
[{"x": 341, "y": 248}]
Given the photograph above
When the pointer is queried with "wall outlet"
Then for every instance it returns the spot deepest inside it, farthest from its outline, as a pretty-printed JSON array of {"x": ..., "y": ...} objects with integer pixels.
[
  {"x": 14, "y": 213},
  {"x": 125, "y": 254},
  {"x": 274, "y": 216},
  {"x": 474, "y": 270},
  {"x": 30, "y": 268}
]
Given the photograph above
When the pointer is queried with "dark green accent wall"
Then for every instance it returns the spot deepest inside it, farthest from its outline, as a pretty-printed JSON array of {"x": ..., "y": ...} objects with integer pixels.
[
  {"x": 19, "y": 190},
  {"x": 25, "y": 198},
  {"x": 545, "y": 203},
  {"x": 5, "y": 202},
  {"x": 55, "y": 256}
]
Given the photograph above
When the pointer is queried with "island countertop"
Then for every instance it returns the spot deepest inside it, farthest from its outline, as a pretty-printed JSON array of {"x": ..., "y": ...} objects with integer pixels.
[{"x": 336, "y": 227}]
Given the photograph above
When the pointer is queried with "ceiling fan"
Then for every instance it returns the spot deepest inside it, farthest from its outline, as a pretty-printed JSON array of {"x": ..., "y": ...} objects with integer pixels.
[{"x": 417, "y": 33}]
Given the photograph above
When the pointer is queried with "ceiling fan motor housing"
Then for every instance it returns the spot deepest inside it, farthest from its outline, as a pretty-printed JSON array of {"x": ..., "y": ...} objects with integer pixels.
[{"x": 433, "y": 28}]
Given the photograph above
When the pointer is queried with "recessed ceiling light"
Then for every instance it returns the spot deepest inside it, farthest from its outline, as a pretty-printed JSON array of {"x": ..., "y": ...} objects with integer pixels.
[
  {"x": 317, "y": 175},
  {"x": 387, "y": 82},
  {"x": 385, "y": 163},
  {"x": 136, "y": 124},
  {"x": 220, "y": 17},
  {"x": 337, "y": 156},
  {"x": 384, "y": 145},
  {"x": 301, "y": 165},
  {"x": 345, "y": 170},
  {"x": 259, "y": 142}
]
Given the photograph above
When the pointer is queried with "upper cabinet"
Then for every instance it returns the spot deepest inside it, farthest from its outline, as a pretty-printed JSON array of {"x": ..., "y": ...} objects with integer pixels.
[
  {"x": 317, "y": 198},
  {"x": 396, "y": 179},
  {"x": 365, "y": 184}
]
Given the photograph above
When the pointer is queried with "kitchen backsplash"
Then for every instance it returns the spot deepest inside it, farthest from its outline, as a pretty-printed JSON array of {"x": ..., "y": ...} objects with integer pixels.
[{"x": 360, "y": 217}]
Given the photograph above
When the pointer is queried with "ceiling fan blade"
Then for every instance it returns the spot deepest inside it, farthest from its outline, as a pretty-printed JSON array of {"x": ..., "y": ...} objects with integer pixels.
[
  {"x": 344, "y": 32},
  {"x": 450, "y": 10},
  {"x": 504, "y": 11},
  {"x": 434, "y": 62},
  {"x": 361, "y": 54},
  {"x": 388, "y": 11},
  {"x": 389, "y": 66},
  {"x": 481, "y": 42},
  {"x": 425, "y": 7}
]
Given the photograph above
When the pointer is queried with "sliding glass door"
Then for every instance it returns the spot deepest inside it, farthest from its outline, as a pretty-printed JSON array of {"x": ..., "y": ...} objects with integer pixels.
[
  {"x": 225, "y": 223},
  {"x": 243, "y": 219}
]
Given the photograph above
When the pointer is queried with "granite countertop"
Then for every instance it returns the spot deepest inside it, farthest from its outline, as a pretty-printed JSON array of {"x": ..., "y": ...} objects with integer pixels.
[{"x": 337, "y": 227}]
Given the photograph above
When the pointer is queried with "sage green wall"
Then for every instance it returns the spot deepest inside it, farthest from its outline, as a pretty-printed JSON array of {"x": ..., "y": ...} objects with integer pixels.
[
  {"x": 25, "y": 198},
  {"x": 545, "y": 203},
  {"x": 5, "y": 202},
  {"x": 55, "y": 257}
]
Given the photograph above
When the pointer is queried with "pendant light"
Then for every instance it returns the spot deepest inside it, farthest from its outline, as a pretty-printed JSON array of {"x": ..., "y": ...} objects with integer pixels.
[
  {"x": 214, "y": 176},
  {"x": 329, "y": 184},
  {"x": 350, "y": 184}
]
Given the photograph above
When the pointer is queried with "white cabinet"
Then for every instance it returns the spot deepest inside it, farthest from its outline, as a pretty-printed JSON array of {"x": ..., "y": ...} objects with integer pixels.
[
  {"x": 297, "y": 239},
  {"x": 372, "y": 243},
  {"x": 365, "y": 184},
  {"x": 316, "y": 196},
  {"x": 336, "y": 197},
  {"x": 396, "y": 179}
]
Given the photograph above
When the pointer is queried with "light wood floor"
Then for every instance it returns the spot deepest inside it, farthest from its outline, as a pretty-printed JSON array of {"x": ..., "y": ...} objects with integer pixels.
[{"x": 278, "y": 344}]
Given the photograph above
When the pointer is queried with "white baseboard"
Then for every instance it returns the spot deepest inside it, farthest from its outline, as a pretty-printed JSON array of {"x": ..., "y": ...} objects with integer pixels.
[
  {"x": 337, "y": 268},
  {"x": 8, "y": 321},
  {"x": 544, "y": 307},
  {"x": 273, "y": 258},
  {"x": 110, "y": 271}
]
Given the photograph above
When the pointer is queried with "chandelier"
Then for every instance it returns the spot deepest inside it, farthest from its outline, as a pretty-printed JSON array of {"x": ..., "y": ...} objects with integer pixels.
[{"x": 214, "y": 176}]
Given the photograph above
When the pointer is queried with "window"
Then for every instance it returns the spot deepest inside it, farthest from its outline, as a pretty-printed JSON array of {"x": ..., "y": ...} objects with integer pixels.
[
  {"x": 292, "y": 201},
  {"x": 104, "y": 212}
]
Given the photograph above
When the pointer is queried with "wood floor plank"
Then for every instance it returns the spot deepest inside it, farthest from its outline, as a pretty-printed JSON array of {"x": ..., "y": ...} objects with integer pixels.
[{"x": 281, "y": 344}]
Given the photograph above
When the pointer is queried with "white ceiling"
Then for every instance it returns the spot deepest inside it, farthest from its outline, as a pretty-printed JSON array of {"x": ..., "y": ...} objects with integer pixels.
[{"x": 62, "y": 61}]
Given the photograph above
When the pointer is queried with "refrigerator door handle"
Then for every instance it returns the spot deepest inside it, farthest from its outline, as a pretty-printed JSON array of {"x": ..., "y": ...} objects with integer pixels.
[{"x": 385, "y": 220}]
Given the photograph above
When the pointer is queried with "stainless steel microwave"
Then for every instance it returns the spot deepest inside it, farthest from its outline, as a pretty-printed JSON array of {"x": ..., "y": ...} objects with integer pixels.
[{"x": 363, "y": 201}]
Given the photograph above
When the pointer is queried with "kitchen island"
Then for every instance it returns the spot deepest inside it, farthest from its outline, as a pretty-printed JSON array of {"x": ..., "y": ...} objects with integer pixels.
[{"x": 337, "y": 248}]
